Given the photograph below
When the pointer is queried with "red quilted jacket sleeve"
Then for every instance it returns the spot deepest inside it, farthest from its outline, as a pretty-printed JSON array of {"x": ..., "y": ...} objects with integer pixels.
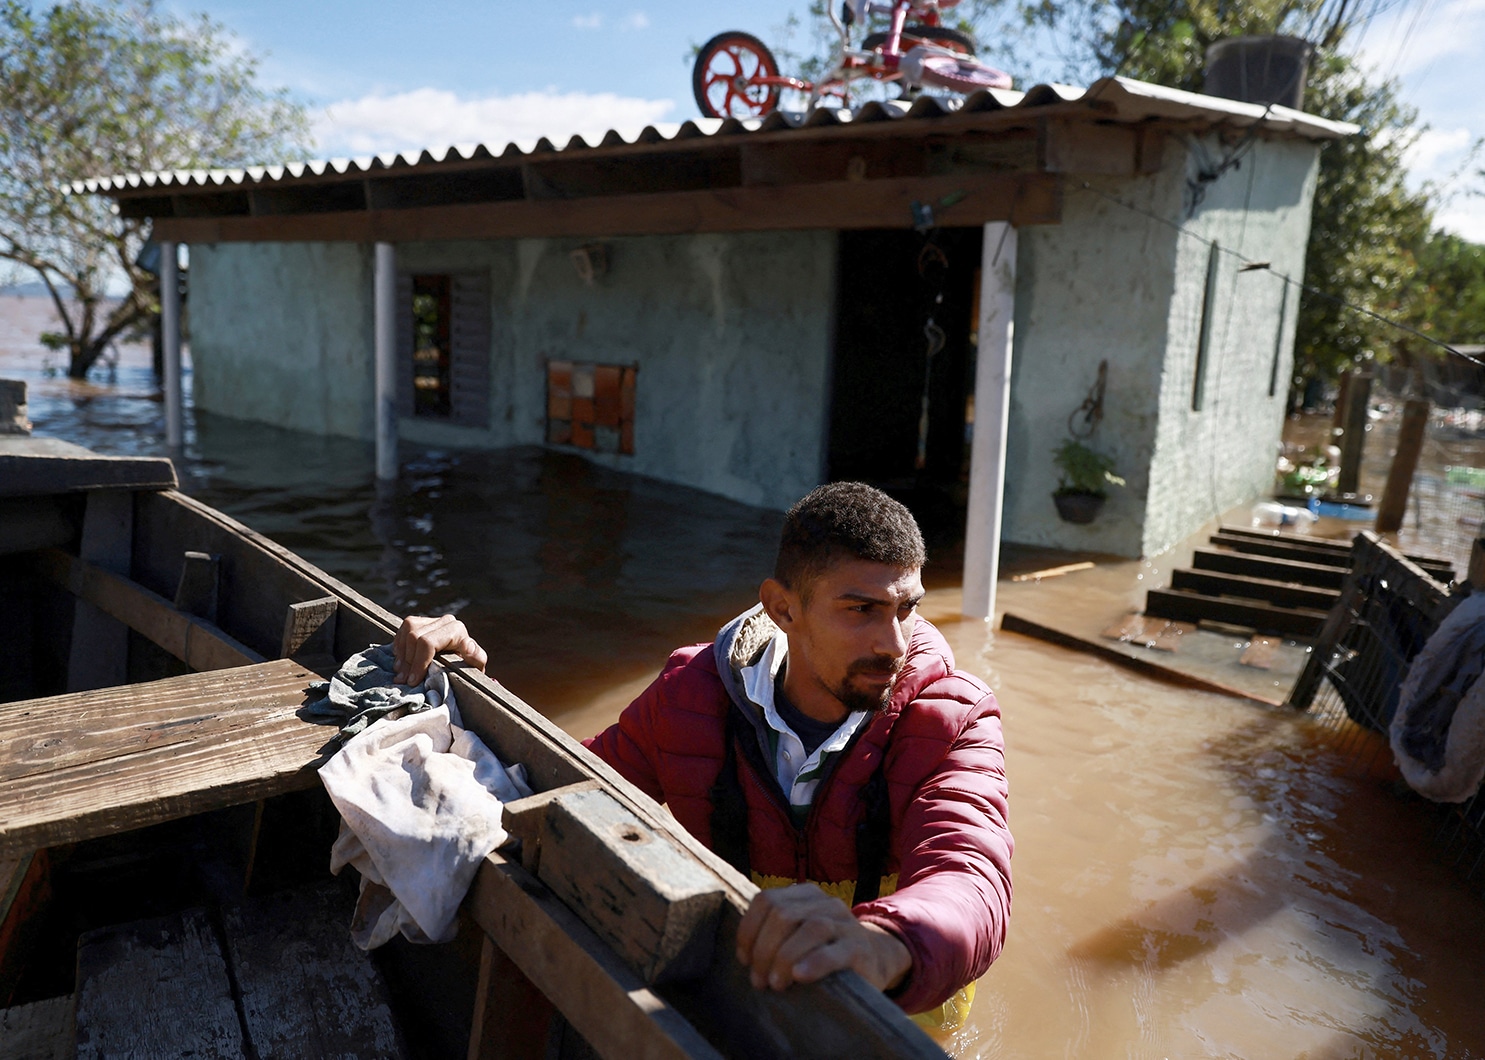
[{"x": 953, "y": 900}]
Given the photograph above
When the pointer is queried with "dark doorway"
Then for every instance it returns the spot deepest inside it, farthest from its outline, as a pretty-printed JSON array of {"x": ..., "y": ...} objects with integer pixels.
[{"x": 890, "y": 283}]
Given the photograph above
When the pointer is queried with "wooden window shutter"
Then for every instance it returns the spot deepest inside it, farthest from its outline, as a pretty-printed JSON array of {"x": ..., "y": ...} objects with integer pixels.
[
  {"x": 404, "y": 345},
  {"x": 469, "y": 353}
]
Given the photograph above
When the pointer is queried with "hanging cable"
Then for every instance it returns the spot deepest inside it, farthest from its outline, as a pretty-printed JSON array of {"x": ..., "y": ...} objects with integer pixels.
[{"x": 1251, "y": 265}]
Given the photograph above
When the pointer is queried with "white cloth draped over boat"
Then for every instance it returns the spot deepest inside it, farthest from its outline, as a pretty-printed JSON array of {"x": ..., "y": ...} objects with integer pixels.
[{"x": 420, "y": 800}]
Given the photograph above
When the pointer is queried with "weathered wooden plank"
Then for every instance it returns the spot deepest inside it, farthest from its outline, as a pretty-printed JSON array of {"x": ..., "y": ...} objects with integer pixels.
[
  {"x": 94, "y": 763},
  {"x": 197, "y": 592},
  {"x": 512, "y": 1018},
  {"x": 1053, "y": 572},
  {"x": 305, "y": 989},
  {"x": 1284, "y": 594},
  {"x": 1304, "y": 540},
  {"x": 1289, "y": 550},
  {"x": 309, "y": 628},
  {"x": 259, "y": 578},
  {"x": 25, "y": 889},
  {"x": 1353, "y": 429},
  {"x": 156, "y": 988},
  {"x": 1021, "y": 198},
  {"x": 1315, "y": 552},
  {"x": 523, "y": 819},
  {"x": 1185, "y": 606},
  {"x": 99, "y": 653},
  {"x": 1318, "y": 575},
  {"x": 597, "y": 992},
  {"x": 653, "y": 905},
  {"x": 1374, "y": 562},
  {"x": 28, "y": 523},
  {"x": 1016, "y": 624},
  {"x": 196, "y": 642},
  {"x": 34, "y": 466},
  {"x": 42, "y": 1030}
]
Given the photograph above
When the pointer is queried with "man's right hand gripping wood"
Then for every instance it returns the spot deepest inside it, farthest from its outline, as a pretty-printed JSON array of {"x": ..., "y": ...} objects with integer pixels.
[{"x": 418, "y": 640}]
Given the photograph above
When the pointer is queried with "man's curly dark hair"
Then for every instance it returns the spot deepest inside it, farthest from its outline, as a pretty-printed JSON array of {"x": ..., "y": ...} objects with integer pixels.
[{"x": 845, "y": 520}]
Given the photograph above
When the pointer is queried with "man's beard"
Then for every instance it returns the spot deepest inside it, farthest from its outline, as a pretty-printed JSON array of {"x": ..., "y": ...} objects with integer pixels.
[{"x": 865, "y": 699}]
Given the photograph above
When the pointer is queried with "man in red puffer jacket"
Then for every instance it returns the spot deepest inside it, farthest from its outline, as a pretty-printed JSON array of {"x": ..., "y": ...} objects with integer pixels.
[{"x": 825, "y": 745}]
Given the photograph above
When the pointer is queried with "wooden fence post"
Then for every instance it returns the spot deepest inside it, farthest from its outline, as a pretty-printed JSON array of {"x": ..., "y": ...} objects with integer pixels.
[
  {"x": 1353, "y": 441},
  {"x": 1400, "y": 478}
]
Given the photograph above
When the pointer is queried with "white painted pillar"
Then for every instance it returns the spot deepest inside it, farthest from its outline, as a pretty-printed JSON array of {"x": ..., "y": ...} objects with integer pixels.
[
  {"x": 175, "y": 434},
  {"x": 385, "y": 298},
  {"x": 992, "y": 413}
]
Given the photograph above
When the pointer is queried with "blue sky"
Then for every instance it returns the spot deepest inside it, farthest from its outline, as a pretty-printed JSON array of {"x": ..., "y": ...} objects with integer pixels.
[{"x": 384, "y": 77}]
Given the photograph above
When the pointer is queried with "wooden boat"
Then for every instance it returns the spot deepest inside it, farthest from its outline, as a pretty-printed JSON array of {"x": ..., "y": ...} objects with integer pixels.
[{"x": 164, "y": 838}]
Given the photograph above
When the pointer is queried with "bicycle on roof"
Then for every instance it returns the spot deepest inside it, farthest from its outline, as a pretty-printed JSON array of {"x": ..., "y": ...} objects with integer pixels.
[{"x": 737, "y": 76}]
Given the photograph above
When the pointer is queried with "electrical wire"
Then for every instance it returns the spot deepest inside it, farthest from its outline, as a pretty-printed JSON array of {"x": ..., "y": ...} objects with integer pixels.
[{"x": 1252, "y": 265}]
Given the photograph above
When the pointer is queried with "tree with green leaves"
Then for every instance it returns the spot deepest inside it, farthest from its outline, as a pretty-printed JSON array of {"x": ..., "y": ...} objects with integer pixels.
[
  {"x": 1366, "y": 223},
  {"x": 91, "y": 89}
]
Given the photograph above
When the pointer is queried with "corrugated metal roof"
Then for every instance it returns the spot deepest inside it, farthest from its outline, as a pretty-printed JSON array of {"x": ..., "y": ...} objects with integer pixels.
[{"x": 1117, "y": 99}]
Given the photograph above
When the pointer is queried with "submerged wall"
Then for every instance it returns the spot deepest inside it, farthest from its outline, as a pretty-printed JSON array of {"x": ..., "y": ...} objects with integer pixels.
[
  {"x": 731, "y": 334},
  {"x": 1115, "y": 282},
  {"x": 281, "y": 334},
  {"x": 1208, "y": 461}
]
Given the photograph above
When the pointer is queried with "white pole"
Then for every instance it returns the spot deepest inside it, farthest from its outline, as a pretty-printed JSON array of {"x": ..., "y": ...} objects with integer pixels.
[
  {"x": 385, "y": 298},
  {"x": 170, "y": 341},
  {"x": 992, "y": 414}
]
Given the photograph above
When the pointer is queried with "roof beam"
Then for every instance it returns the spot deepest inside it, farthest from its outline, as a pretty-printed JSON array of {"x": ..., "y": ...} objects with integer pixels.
[{"x": 963, "y": 199}]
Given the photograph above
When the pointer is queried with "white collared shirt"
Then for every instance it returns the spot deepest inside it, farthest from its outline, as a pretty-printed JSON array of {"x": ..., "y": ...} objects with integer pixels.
[{"x": 797, "y": 773}]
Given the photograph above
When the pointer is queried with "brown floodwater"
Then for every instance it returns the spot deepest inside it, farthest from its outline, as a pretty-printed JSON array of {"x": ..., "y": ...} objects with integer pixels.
[{"x": 1194, "y": 875}]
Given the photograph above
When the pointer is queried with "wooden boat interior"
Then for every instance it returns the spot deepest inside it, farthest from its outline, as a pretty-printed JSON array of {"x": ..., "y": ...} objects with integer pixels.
[{"x": 163, "y": 832}]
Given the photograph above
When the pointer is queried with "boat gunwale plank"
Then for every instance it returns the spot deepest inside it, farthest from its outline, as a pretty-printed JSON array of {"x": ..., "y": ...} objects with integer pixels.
[{"x": 613, "y": 1009}]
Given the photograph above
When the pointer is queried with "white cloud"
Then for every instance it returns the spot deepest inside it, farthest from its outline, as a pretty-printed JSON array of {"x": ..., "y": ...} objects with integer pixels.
[
  {"x": 1466, "y": 218},
  {"x": 637, "y": 20},
  {"x": 429, "y": 117},
  {"x": 593, "y": 21},
  {"x": 1411, "y": 37},
  {"x": 1437, "y": 153}
]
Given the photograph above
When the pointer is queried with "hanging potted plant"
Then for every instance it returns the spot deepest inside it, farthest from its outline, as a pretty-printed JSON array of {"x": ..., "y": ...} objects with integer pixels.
[{"x": 1084, "y": 476}]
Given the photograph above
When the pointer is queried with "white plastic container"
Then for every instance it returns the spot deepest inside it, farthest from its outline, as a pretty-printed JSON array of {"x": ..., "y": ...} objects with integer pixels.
[{"x": 1269, "y": 515}]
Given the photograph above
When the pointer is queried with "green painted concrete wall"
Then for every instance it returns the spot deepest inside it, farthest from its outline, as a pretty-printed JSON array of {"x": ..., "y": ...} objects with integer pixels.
[
  {"x": 731, "y": 334},
  {"x": 1111, "y": 282}
]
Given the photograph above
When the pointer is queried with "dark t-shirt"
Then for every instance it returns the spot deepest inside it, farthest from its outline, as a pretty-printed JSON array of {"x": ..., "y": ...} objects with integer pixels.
[{"x": 811, "y": 733}]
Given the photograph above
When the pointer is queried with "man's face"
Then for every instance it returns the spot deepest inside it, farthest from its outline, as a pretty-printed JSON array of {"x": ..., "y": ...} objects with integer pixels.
[{"x": 849, "y": 632}]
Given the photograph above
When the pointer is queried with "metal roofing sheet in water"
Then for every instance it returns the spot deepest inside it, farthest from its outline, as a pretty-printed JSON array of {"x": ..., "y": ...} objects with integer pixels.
[{"x": 1117, "y": 98}]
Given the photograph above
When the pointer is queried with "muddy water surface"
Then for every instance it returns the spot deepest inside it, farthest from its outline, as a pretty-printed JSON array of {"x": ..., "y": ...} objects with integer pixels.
[{"x": 1195, "y": 876}]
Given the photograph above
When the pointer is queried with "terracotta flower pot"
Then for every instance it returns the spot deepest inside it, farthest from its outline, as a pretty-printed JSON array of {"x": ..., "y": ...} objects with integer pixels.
[{"x": 1078, "y": 507}]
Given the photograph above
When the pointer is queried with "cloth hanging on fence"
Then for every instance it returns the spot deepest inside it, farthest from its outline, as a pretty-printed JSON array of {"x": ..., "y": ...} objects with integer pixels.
[
  {"x": 420, "y": 801},
  {"x": 1438, "y": 733}
]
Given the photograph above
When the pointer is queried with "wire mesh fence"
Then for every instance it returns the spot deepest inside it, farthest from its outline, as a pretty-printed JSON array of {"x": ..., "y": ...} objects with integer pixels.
[{"x": 1388, "y": 609}]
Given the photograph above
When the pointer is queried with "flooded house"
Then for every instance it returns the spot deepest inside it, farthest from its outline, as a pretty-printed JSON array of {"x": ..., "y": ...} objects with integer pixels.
[{"x": 917, "y": 294}]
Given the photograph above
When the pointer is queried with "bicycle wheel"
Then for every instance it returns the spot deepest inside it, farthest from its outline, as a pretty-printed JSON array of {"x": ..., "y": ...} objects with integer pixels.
[
  {"x": 724, "y": 77},
  {"x": 957, "y": 73},
  {"x": 914, "y": 34}
]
